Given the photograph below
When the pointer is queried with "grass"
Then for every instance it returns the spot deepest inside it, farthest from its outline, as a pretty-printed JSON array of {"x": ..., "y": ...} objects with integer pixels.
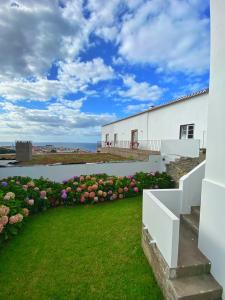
[
  {"x": 68, "y": 158},
  {"x": 84, "y": 252}
]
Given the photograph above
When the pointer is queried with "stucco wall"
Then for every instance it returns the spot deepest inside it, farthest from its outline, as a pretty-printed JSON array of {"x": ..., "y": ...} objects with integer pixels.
[
  {"x": 212, "y": 221},
  {"x": 164, "y": 123},
  {"x": 59, "y": 173}
]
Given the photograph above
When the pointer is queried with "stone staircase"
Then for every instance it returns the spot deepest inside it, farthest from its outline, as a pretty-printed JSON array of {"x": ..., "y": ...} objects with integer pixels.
[
  {"x": 192, "y": 280},
  {"x": 176, "y": 169}
]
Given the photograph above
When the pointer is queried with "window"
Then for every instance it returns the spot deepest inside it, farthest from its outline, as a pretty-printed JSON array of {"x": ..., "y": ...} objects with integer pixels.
[
  {"x": 187, "y": 131},
  {"x": 107, "y": 137}
]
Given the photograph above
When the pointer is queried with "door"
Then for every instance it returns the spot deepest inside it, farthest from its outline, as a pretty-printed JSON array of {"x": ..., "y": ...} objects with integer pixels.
[
  {"x": 115, "y": 139},
  {"x": 134, "y": 139}
]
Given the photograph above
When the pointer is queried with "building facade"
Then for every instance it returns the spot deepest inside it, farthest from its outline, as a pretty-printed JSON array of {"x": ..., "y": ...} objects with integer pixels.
[{"x": 183, "y": 118}]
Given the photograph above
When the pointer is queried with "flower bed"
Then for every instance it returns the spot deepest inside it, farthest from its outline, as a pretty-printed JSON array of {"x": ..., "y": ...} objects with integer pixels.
[{"x": 21, "y": 196}]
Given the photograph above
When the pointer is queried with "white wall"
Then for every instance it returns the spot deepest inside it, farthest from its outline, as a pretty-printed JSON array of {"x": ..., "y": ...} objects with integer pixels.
[
  {"x": 212, "y": 220},
  {"x": 59, "y": 173},
  {"x": 191, "y": 186},
  {"x": 163, "y": 226},
  {"x": 124, "y": 127},
  {"x": 186, "y": 148},
  {"x": 164, "y": 123}
]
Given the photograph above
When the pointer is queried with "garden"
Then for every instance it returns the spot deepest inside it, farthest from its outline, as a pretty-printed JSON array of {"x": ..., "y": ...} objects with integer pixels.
[{"x": 86, "y": 247}]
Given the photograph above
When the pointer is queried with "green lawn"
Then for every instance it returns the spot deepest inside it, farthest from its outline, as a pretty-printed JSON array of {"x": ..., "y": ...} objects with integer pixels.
[{"x": 84, "y": 252}]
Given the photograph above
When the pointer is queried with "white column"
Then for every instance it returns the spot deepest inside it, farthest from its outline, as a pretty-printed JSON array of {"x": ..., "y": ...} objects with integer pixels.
[{"x": 212, "y": 218}]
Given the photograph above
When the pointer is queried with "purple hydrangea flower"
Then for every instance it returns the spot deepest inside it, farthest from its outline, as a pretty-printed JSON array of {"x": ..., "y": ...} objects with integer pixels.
[{"x": 4, "y": 183}]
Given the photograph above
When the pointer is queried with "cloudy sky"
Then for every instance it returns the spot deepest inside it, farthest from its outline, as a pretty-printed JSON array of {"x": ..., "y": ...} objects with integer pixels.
[{"x": 69, "y": 66}]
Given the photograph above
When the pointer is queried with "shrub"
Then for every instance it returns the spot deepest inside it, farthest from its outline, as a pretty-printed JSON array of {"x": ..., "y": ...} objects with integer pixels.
[{"x": 21, "y": 196}]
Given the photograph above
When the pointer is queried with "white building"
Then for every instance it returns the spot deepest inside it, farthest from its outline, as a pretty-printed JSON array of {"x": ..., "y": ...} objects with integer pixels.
[
  {"x": 183, "y": 235},
  {"x": 183, "y": 118}
]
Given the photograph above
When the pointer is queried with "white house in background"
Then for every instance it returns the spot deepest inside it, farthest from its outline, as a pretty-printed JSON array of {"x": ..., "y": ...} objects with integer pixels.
[
  {"x": 183, "y": 118},
  {"x": 184, "y": 228}
]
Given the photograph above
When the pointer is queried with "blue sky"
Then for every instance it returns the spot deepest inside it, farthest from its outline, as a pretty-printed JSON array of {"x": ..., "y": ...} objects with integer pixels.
[{"x": 70, "y": 66}]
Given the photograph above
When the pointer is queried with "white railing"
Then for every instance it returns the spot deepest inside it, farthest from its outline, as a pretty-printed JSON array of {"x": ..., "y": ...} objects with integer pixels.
[
  {"x": 153, "y": 145},
  {"x": 162, "y": 209}
]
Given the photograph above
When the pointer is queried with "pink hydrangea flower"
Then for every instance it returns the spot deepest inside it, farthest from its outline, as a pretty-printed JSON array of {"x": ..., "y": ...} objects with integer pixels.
[
  {"x": 25, "y": 187},
  {"x": 26, "y": 211},
  {"x": 6, "y": 197},
  {"x": 136, "y": 189},
  {"x": 86, "y": 195},
  {"x": 42, "y": 194},
  {"x": 101, "y": 181},
  {"x": 1, "y": 227},
  {"x": 110, "y": 192},
  {"x": 15, "y": 219},
  {"x": 9, "y": 196},
  {"x": 94, "y": 187},
  {"x": 64, "y": 195},
  {"x": 126, "y": 189},
  {"x": 92, "y": 195},
  {"x": 4, "y": 220},
  {"x": 79, "y": 189},
  {"x": 31, "y": 184},
  {"x": 82, "y": 199},
  {"x": 20, "y": 216},
  {"x": 4, "y": 210},
  {"x": 95, "y": 199},
  {"x": 90, "y": 189},
  {"x": 100, "y": 193},
  {"x": 120, "y": 190},
  {"x": 30, "y": 202}
]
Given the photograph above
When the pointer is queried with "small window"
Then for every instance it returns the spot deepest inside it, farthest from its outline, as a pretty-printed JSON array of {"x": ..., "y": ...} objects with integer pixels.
[
  {"x": 107, "y": 137},
  {"x": 187, "y": 131}
]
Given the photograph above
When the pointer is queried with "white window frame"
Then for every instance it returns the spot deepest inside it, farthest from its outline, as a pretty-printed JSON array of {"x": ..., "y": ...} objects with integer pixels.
[{"x": 189, "y": 130}]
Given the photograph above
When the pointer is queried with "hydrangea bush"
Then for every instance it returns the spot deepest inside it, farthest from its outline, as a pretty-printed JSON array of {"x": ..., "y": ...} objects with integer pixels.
[{"x": 22, "y": 196}]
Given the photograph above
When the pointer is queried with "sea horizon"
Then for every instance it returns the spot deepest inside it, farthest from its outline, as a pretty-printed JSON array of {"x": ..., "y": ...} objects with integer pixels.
[{"x": 81, "y": 145}]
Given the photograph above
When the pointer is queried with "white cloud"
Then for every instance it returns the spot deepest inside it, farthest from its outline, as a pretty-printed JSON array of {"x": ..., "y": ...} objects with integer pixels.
[
  {"x": 33, "y": 34},
  {"x": 169, "y": 34},
  {"x": 72, "y": 77},
  {"x": 85, "y": 72},
  {"x": 142, "y": 91},
  {"x": 118, "y": 60},
  {"x": 134, "y": 108},
  {"x": 57, "y": 120}
]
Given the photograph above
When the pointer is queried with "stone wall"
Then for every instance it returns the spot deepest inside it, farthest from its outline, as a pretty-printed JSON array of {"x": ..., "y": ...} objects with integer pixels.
[
  {"x": 182, "y": 166},
  {"x": 142, "y": 155}
]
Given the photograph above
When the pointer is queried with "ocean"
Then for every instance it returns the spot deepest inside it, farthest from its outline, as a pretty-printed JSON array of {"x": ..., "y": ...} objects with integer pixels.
[{"x": 85, "y": 146}]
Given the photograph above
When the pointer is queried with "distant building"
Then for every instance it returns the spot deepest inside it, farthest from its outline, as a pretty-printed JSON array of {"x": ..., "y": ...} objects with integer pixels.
[
  {"x": 183, "y": 118},
  {"x": 23, "y": 150}
]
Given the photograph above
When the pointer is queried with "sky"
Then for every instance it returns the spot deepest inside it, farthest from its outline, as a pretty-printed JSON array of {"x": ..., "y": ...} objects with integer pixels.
[{"x": 67, "y": 67}]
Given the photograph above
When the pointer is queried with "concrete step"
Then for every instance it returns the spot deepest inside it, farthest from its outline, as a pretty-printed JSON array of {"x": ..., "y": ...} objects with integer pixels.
[
  {"x": 195, "y": 210},
  {"x": 191, "y": 221},
  {"x": 202, "y": 287},
  {"x": 191, "y": 261}
]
